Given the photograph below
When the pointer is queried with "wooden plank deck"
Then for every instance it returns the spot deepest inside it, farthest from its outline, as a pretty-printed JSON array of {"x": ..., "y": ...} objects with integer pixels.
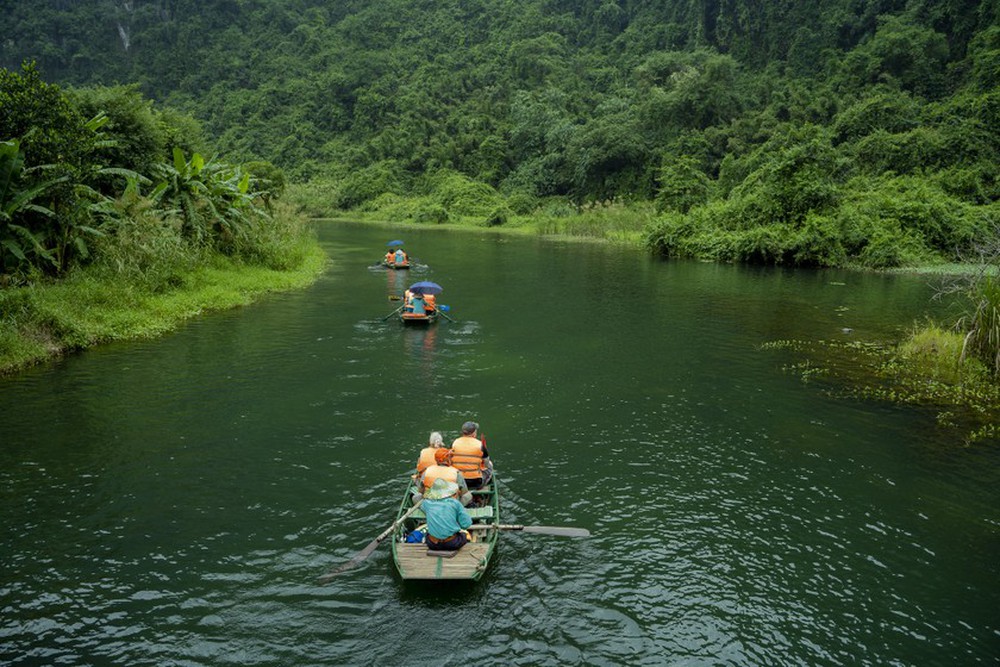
[{"x": 414, "y": 563}]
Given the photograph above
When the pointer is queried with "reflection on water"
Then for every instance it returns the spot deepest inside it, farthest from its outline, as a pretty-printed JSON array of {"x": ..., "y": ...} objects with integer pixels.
[{"x": 172, "y": 501}]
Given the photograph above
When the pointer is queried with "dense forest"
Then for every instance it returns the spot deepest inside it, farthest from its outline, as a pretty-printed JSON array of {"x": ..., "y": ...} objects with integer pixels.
[{"x": 822, "y": 133}]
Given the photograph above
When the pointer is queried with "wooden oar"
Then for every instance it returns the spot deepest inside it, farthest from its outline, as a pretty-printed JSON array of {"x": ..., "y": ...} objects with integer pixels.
[
  {"x": 562, "y": 531},
  {"x": 392, "y": 313},
  {"x": 441, "y": 312},
  {"x": 362, "y": 555}
]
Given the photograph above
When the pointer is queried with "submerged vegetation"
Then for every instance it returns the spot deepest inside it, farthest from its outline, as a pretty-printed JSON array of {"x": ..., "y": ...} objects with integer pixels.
[
  {"x": 954, "y": 370},
  {"x": 926, "y": 369}
]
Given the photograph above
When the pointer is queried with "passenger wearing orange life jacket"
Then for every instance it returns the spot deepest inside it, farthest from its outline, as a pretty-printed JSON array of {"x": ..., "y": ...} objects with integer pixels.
[
  {"x": 430, "y": 303},
  {"x": 469, "y": 455},
  {"x": 426, "y": 460},
  {"x": 389, "y": 257},
  {"x": 442, "y": 469}
]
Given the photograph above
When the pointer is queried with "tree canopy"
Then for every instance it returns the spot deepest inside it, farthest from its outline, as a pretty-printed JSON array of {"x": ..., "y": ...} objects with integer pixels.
[{"x": 774, "y": 131}]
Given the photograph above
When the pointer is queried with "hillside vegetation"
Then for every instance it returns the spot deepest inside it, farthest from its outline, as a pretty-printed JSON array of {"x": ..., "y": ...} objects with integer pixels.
[{"x": 822, "y": 133}]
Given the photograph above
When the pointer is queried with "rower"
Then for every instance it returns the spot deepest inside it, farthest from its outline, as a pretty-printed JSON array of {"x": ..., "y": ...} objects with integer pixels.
[{"x": 446, "y": 518}]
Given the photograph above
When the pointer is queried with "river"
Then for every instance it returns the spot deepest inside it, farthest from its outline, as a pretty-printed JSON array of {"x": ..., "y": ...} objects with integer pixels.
[{"x": 172, "y": 501}]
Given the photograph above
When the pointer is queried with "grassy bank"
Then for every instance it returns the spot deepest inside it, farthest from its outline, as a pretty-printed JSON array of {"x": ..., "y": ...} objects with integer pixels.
[
  {"x": 459, "y": 206},
  {"x": 95, "y": 305}
]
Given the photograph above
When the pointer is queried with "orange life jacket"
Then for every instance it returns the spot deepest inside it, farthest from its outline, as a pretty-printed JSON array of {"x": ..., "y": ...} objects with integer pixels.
[
  {"x": 389, "y": 257},
  {"x": 426, "y": 459},
  {"x": 434, "y": 472},
  {"x": 467, "y": 456},
  {"x": 430, "y": 303}
]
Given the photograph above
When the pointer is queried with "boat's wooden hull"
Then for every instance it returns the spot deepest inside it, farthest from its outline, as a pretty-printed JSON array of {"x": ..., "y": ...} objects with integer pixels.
[
  {"x": 410, "y": 318},
  {"x": 398, "y": 267},
  {"x": 471, "y": 561}
]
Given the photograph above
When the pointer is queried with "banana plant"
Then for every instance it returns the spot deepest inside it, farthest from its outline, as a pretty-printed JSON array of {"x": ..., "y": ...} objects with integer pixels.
[
  {"x": 213, "y": 199},
  {"x": 181, "y": 190},
  {"x": 18, "y": 243}
]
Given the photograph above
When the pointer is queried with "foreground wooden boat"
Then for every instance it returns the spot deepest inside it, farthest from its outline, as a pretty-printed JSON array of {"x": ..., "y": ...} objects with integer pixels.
[{"x": 470, "y": 562}]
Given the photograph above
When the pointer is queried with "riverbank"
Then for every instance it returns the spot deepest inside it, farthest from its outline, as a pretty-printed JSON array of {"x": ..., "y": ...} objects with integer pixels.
[{"x": 90, "y": 307}]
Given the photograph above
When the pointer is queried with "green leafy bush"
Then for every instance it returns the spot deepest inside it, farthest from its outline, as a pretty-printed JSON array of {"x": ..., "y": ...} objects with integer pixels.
[{"x": 361, "y": 185}]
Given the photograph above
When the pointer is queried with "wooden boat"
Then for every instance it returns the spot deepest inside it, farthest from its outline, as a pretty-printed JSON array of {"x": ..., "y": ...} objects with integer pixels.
[
  {"x": 470, "y": 562},
  {"x": 418, "y": 318}
]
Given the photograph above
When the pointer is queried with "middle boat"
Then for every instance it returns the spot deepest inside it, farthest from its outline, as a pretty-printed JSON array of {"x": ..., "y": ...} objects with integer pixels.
[
  {"x": 420, "y": 303},
  {"x": 412, "y": 559},
  {"x": 418, "y": 318}
]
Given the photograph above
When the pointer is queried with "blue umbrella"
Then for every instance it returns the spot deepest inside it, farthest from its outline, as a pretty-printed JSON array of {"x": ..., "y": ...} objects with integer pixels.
[
  {"x": 425, "y": 287},
  {"x": 394, "y": 243}
]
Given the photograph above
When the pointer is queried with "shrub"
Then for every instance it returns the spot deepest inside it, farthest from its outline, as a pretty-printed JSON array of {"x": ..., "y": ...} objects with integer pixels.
[
  {"x": 522, "y": 203},
  {"x": 461, "y": 196},
  {"x": 682, "y": 184},
  {"x": 498, "y": 216},
  {"x": 361, "y": 185},
  {"x": 430, "y": 212}
]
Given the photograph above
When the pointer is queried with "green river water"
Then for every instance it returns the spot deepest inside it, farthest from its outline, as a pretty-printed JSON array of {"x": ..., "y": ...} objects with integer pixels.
[{"x": 172, "y": 501}]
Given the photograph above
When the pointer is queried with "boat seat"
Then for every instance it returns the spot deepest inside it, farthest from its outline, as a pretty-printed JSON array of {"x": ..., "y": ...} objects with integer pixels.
[
  {"x": 474, "y": 512},
  {"x": 442, "y": 554}
]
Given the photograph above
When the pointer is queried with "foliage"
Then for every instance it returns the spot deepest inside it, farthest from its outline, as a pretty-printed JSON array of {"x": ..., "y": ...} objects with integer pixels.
[
  {"x": 18, "y": 244},
  {"x": 268, "y": 181},
  {"x": 138, "y": 137},
  {"x": 50, "y": 128},
  {"x": 682, "y": 184},
  {"x": 773, "y": 128},
  {"x": 982, "y": 325},
  {"x": 900, "y": 53},
  {"x": 213, "y": 200},
  {"x": 97, "y": 303}
]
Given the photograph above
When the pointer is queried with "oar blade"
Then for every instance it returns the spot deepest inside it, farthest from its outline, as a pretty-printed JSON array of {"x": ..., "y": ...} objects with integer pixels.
[
  {"x": 362, "y": 555},
  {"x": 355, "y": 561},
  {"x": 561, "y": 531}
]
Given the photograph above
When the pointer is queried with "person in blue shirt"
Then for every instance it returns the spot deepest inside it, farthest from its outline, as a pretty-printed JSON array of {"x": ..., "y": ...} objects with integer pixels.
[
  {"x": 446, "y": 518},
  {"x": 417, "y": 304}
]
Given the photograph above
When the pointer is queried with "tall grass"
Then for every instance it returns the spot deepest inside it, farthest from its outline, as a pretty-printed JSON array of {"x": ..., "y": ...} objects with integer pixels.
[
  {"x": 147, "y": 280},
  {"x": 610, "y": 221},
  {"x": 983, "y": 325}
]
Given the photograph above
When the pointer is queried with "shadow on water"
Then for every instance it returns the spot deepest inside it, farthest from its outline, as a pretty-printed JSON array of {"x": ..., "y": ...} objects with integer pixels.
[{"x": 446, "y": 594}]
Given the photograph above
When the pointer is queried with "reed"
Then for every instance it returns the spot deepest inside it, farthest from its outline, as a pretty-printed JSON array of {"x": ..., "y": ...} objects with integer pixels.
[{"x": 983, "y": 324}]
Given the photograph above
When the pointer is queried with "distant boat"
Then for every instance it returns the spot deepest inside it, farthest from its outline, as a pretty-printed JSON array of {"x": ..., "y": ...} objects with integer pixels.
[
  {"x": 468, "y": 563},
  {"x": 397, "y": 265}
]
